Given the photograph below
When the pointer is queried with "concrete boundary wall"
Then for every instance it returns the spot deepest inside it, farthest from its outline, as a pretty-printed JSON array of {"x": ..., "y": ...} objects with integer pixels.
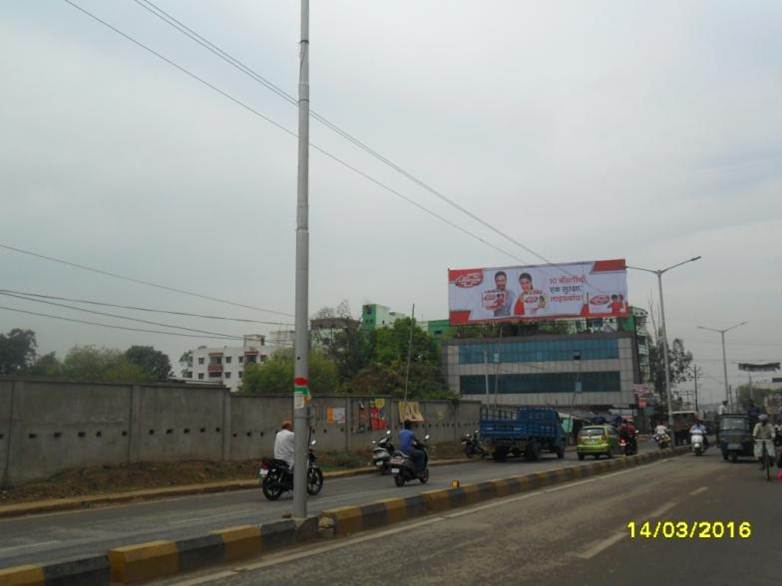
[{"x": 47, "y": 425}]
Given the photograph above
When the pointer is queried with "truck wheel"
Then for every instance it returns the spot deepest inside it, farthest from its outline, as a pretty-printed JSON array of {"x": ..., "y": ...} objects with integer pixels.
[
  {"x": 500, "y": 454},
  {"x": 561, "y": 452},
  {"x": 734, "y": 457},
  {"x": 532, "y": 452},
  {"x": 581, "y": 456},
  {"x": 725, "y": 456}
]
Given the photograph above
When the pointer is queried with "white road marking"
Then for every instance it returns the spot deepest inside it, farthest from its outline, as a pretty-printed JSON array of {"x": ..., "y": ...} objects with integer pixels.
[
  {"x": 600, "y": 546},
  {"x": 35, "y": 545},
  {"x": 663, "y": 509},
  {"x": 274, "y": 560},
  {"x": 699, "y": 490}
]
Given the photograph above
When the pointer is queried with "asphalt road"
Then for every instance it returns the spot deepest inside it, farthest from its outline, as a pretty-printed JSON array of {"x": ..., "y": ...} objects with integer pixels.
[
  {"x": 65, "y": 535},
  {"x": 569, "y": 534}
]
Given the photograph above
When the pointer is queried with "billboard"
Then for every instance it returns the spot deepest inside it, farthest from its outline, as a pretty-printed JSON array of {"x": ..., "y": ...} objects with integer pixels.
[
  {"x": 590, "y": 289},
  {"x": 766, "y": 367}
]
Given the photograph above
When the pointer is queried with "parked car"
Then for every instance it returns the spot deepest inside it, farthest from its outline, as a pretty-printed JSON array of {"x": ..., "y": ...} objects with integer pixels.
[{"x": 597, "y": 440}]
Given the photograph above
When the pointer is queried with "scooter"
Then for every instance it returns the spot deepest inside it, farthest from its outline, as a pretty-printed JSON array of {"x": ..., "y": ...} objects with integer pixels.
[
  {"x": 381, "y": 453},
  {"x": 403, "y": 468},
  {"x": 697, "y": 443},
  {"x": 472, "y": 445},
  {"x": 277, "y": 477}
]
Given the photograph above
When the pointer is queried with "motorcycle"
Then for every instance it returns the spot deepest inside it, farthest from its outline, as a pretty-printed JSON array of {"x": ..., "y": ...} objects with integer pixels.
[
  {"x": 381, "y": 453},
  {"x": 628, "y": 447},
  {"x": 472, "y": 445},
  {"x": 403, "y": 468},
  {"x": 277, "y": 477},
  {"x": 663, "y": 440},
  {"x": 697, "y": 443}
]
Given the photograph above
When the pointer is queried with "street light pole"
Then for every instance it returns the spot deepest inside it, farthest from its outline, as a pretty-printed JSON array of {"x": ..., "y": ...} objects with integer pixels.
[
  {"x": 724, "y": 356},
  {"x": 301, "y": 393},
  {"x": 660, "y": 273}
]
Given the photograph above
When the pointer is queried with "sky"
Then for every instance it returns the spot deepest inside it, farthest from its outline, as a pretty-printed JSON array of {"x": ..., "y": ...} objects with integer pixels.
[{"x": 619, "y": 129}]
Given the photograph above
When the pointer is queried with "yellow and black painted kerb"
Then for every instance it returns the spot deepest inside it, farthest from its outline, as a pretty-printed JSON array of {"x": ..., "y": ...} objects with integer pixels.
[
  {"x": 88, "y": 572},
  {"x": 147, "y": 561}
]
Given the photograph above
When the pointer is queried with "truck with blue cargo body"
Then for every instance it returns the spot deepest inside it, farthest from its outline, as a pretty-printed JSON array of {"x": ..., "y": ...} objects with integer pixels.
[{"x": 527, "y": 431}]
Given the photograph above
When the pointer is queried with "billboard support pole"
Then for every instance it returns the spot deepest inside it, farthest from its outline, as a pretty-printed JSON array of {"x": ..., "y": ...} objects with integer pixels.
[{"x": 409, "y": 350}]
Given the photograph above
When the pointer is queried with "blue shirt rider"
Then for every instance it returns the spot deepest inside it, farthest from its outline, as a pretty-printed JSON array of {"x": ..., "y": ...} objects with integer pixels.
[{"x": 407, "y": 442}]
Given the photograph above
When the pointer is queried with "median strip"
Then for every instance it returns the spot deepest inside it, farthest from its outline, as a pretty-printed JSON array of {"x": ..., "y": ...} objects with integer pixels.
[{"x": 157, "y": 559}]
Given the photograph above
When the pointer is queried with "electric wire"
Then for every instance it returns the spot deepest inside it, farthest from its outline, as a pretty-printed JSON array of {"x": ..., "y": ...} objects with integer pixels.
[
  {"x": 139, "y": 281},
  {"x": 115, "y": 327},
  {"x": 118, "y": 316},
  {"x": 252, "y": 110},
  {"x": 147, "y": 309}
]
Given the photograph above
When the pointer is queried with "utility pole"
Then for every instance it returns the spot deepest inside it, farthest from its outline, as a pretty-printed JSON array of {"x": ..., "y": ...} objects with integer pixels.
[
  {"x": 659, "y": 273},
  {"x": 409, "y": 349},
  {"x": 695, "y": 373},
  {"x": 301, "y": 392},
  {"x": 724, "y": 356}
]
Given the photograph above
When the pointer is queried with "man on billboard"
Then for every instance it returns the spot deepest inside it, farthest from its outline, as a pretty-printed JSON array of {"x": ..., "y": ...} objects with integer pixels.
[{"x": 500, "y": 299}]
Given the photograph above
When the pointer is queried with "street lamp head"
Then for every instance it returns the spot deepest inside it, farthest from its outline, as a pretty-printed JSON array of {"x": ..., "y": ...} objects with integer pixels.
[{"x": 695, "y": 258}]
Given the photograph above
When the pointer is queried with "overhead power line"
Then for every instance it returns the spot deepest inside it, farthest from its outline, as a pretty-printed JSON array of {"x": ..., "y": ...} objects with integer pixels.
[
  {"x": 140, "y": 281},
  {"x": 323, "y": 151},
  {"x": 231, "y": 60},
  {"x": 147, "y": 309},
  {"x": 114, "y": 327},
  {"x": 118, "y": 316}
]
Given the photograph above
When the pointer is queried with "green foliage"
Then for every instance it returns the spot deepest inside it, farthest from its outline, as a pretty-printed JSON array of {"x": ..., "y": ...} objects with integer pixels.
[
  {"x": 102, "y": 364},
  {"x": 17, "y": 351},
  {"x": 679, "y": 360},
  {"x": 275, "y": 375},
  {"x": 46, "y": 365},
  {"x": 186, "y": 364},
  {"x": 154, "y": 363}
]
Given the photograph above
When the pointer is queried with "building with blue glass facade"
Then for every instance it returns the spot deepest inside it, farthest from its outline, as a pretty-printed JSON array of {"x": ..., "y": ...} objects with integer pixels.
[{"x": 595, "y": 370}]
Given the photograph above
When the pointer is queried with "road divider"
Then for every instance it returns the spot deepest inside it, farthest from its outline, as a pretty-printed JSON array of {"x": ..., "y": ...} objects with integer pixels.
[
  {"x": 349, "y": 520},
  {"x": 157, "y": 559}
]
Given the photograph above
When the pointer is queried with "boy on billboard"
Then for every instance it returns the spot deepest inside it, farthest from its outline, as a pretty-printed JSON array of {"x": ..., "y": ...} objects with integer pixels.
[{"x": 500, "y": 299}]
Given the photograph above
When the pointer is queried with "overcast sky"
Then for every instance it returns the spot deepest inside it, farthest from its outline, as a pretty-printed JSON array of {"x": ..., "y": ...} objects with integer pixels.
[{"x": 645, "y": 130}]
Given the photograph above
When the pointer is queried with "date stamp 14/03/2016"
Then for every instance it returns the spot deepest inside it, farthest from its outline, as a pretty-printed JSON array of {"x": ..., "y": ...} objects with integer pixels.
[{"x": 690, "y": 530}]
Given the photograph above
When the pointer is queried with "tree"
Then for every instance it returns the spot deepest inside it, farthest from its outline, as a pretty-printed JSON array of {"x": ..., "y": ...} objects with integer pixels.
[
  {"x": 46, "y": 365},
  {"x": 17, "y": 350},
  {"x": 275, "y": 375},
  {"x": 102, "y": 364},
  {"x": 679, "y": 360},
  {"x": 153, "y": 362},
  {"x": 186, "y": 364}
]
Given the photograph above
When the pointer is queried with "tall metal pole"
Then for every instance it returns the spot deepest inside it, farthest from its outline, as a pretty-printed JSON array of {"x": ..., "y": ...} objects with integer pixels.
[
  {"x": 725, "y": 371},
  {"x": 665, "y": 352},
  {"x": 301, "y": 393},
  {"x": 486, "y": 373},
  {"x": 409, "y": 350}
]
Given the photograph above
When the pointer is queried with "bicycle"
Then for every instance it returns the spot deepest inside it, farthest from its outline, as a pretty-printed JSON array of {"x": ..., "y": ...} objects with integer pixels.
[{"x": 765, "y": 459}]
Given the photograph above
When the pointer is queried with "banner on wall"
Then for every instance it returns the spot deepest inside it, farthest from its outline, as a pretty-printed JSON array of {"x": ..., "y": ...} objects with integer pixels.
[
  {"x": 590, "y": 289},
  {"x": 410, "y": 411},
  {"x": 335, "y": 415},
  {"x": 377, "y": 415}
]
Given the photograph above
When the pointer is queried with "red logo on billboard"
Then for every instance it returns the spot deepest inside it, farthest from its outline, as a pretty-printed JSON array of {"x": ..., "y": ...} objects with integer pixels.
[
  {"x": 467, "y": 280},
  {"x": 600, "y": 300}
]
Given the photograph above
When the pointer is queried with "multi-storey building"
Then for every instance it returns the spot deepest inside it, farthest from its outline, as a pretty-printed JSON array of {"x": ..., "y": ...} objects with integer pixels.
[{"x": 226, "y": 364}]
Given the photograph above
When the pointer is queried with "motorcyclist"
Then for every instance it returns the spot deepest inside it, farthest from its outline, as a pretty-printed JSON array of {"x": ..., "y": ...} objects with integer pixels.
[
  {"x": 660, "y": 429},
  {"x": 698, "y": 427},
  {"x": 628, "y": 432},
  {"x": 284, "y": 445},
  {"x": 764, "y": 433},
  {"x": 407, "y": 445}
]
